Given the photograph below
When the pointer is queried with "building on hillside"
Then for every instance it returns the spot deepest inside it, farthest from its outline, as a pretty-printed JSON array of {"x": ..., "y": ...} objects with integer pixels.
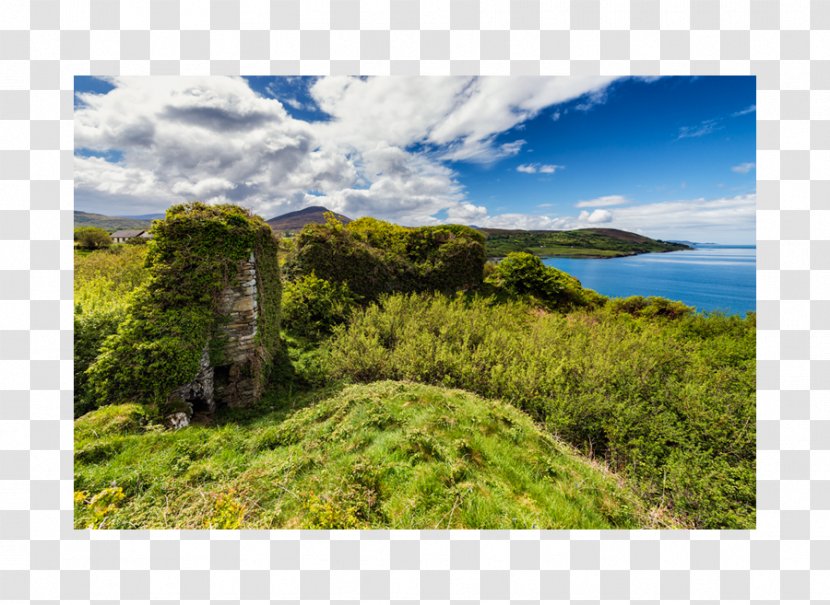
[{"x": 119, "y": 237}]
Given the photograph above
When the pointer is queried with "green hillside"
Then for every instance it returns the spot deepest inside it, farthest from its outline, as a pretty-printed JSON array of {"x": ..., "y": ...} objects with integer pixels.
[
  {"x": 594, "y": 243},
  {"x": 109, "y": 223},
  {"x": 386, "y": 454}
]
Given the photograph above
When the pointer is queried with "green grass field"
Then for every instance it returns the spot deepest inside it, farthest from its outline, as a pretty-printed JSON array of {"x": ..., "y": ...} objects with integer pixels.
[{"x": 387, "y": 454}]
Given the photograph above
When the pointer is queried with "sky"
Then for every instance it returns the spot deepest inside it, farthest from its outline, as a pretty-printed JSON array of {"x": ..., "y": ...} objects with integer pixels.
[{"x": 669, "y": 157}]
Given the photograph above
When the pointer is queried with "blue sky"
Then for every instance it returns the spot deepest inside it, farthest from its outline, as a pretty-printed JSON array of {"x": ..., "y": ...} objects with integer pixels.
[{"x": 669, "y": 157}]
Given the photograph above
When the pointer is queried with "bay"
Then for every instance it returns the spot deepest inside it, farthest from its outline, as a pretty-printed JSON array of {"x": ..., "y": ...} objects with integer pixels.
[{"x": 709, "y": 278}]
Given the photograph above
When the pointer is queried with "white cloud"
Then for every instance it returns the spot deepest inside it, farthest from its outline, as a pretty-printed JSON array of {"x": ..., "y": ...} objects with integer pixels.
[
  {"x": 744, "y": 168},
  {"x": 745, "y": 111},
  {"x": 540, "y": 168},
  {"x": 723, "y": 219},
  {"x": 698, "y": 130},
  {"x": 214, "y": 139},
  {"x": 463, "y": 116},
  {"x": 597, "y": 216},
  {"x": 697, "y": 220},
  {"x": 600, "y": 202}
]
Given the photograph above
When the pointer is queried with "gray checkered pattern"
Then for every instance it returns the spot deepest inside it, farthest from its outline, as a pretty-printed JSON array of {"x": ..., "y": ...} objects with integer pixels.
[{"x": 43, "y": 43}]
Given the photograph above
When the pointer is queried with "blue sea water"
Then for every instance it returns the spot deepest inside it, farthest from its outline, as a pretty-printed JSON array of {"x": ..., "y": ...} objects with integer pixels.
[{"x": 709, "y": 278}]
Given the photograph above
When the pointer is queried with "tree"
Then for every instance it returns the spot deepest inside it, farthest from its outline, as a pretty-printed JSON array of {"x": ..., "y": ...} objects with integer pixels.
[{"x": 92, "y": 238}]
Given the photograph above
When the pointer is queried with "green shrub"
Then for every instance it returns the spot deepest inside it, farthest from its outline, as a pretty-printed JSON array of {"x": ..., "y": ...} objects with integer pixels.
[
  {"x": 669, "y": 402},
  {"x": 94, "y": 512},
  {"x": 228, "y": 511},
  {"x": 312, "y": 306},
  {"x": 194, "y": 254},
  {"x": 524, "y": 274},
  {"x": 649, "y": 306},
  {"x": 92, "y": 238},
  {"x": 103, "y": 281},
  {"x": 373, "y": 257}
]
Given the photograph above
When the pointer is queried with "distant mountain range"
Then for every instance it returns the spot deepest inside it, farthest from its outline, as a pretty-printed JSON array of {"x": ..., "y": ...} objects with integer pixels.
[
  {"x": 294, "y": 221},
  {"x": 113, "y": 223},
  {"x": 585, "y": 243},
  {"x": 597, "y": 243}
]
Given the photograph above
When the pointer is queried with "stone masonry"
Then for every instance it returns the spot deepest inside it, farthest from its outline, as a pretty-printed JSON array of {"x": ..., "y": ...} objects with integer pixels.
[{"x": 235, "y": 381}]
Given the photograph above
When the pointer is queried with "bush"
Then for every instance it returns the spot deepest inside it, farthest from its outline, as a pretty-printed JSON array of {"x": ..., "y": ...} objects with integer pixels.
[
  {"x": 524, "y": 274},
  {"x": 669, "y": 402},
  {"x": 649, "y": 306},
  {"x": 92, "y": 238},
  {"x": 312, "y": 306},
  {"x": 373, "y": 257},
  {"x": 103, "y": 281}
]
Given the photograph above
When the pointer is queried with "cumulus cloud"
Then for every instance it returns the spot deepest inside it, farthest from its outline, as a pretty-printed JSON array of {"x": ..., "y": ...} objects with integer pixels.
[
  {"x": 678, "y": 219},
  {"x": 722, "y": 219},
  {"x": 540, "y": 168},
  {"x": 387, "y": 149},
  {"x": 744, "y": 168},
  {"x": 597, "y": 216},
  {"x": 600, "y": 202}
]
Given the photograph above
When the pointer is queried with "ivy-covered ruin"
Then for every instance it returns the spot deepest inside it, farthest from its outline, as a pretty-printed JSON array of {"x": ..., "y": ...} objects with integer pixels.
[{"x": 204, "y": 330}]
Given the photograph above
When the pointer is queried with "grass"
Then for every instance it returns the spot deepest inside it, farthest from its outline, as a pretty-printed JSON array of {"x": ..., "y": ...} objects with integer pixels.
[
  {"x": 571, "y": 252},
  {"x": 387, "y": 454}
]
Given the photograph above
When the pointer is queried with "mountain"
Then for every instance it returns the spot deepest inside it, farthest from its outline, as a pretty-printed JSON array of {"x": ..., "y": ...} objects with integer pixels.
[
  {"x": 294, "y": 221},
  {"x": 112, "y": 223},
  {"x": 146, "y": 217},
  {"x": 585, "y": 243}
]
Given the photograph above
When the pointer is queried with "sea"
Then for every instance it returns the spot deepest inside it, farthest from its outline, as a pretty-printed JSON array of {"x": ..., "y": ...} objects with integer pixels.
[{"x": 710, "y": 277}]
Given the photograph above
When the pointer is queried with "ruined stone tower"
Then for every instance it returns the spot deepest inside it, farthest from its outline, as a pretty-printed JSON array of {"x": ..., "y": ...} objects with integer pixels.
[
  {"x": 234, "y": 380},
  {"x": 203, "y": 331}
]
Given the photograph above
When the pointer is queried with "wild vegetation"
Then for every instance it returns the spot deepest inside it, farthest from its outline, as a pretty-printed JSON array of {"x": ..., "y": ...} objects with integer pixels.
[
  {"x": 668, "y": 402},
  {"x": 576, "y": 410},
  {"x": 103, "y": 281},
  {"x": 92, "y": 238},
  {"x": 373, "y": 257}
]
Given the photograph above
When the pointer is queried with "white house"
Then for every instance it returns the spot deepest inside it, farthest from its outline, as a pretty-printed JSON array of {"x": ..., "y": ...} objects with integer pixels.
[{"x": 119, "y": 237}]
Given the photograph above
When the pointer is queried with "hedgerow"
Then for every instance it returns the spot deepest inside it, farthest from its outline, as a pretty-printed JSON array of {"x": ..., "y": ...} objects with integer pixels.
[
  {"x": 195, "y": 253},
  {"x": 373, "y": 257}
]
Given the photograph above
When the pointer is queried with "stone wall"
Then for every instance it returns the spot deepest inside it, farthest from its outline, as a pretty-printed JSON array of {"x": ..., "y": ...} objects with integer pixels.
[
  {"x": 236, "y": 380},
  {"x": 233, "y": 380}
]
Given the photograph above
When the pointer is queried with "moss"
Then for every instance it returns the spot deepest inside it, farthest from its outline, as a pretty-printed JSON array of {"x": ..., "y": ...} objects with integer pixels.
[{"x": 194, "y": 255}]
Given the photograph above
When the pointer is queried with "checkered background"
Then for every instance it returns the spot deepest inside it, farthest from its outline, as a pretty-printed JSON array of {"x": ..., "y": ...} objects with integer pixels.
[{"x": 44, "y": 43}]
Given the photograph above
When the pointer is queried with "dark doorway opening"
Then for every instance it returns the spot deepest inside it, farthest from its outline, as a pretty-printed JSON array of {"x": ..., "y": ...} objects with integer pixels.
[{"x": 221, "y": 381}]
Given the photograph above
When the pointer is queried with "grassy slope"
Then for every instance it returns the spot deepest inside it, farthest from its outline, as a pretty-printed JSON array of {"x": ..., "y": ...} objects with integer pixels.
[
  {"x": 110, "y": 223},
  {"x": 387, "y": 454},
  {"x": 594, "y": 243}
]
